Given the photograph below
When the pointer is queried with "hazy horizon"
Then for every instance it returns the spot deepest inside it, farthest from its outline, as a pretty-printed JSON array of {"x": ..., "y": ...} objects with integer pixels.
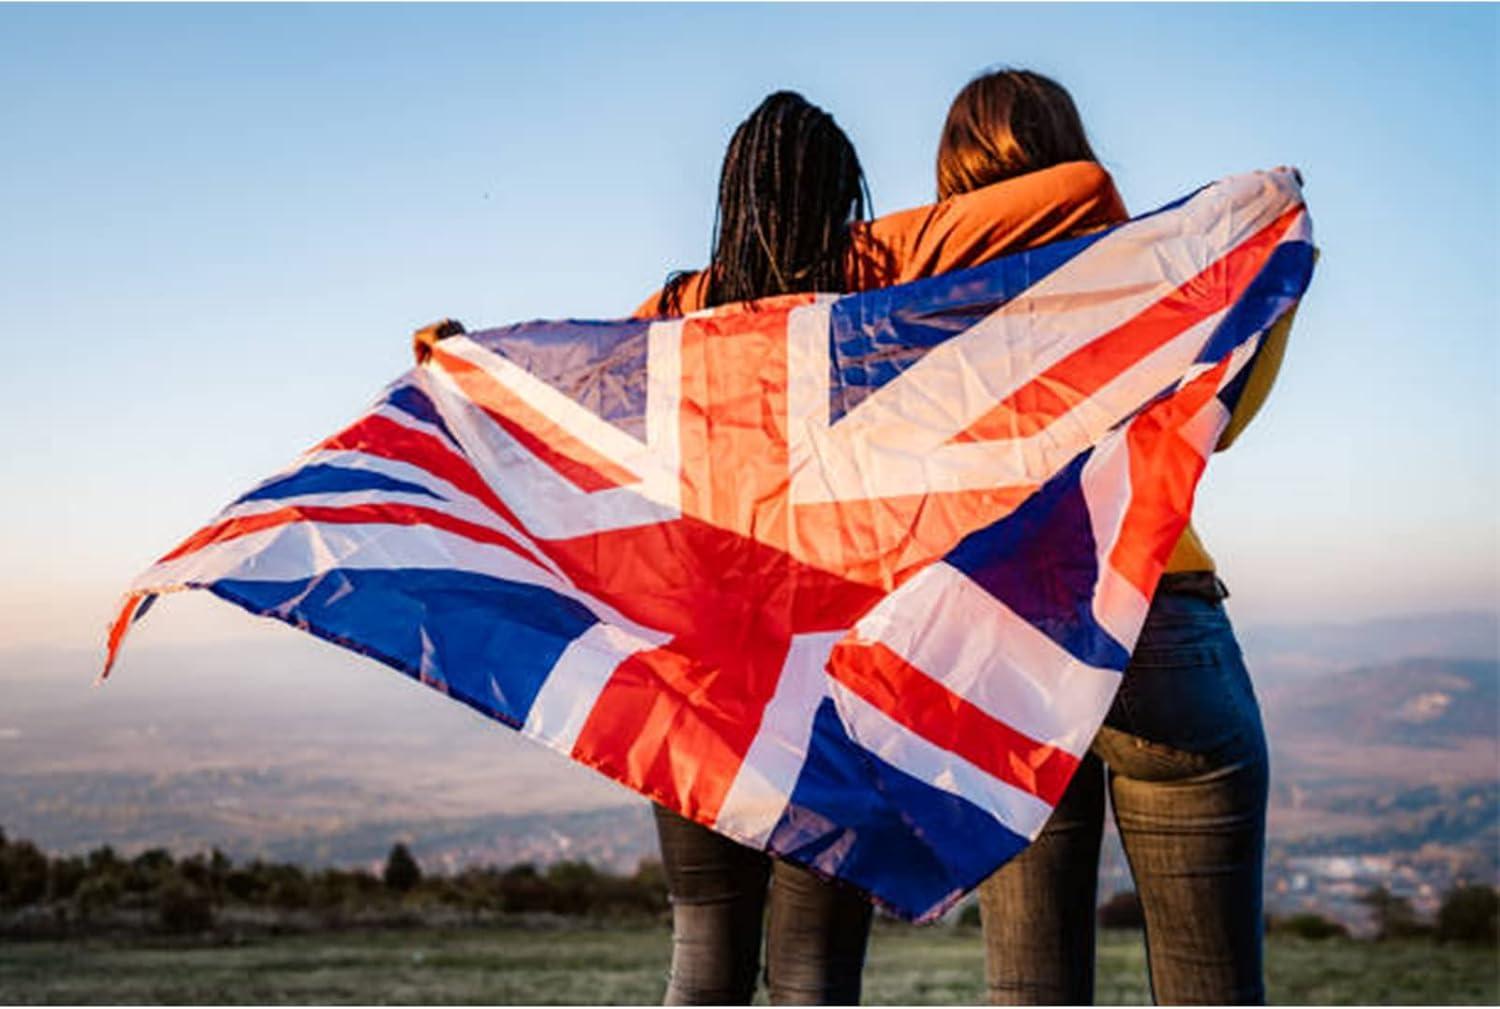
[{"x": 298, "y": 748}]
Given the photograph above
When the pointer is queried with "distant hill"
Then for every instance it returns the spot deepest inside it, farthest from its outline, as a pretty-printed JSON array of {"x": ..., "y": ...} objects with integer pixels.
[
  {"x": 1416, "y": 702},
  {"x": 1281, "y": 652}
]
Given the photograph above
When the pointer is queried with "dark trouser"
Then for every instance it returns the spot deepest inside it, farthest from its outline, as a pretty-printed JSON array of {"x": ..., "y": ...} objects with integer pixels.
[
  {"x": 815, "y": 938},
  {"x": 1184, "y": 758}
]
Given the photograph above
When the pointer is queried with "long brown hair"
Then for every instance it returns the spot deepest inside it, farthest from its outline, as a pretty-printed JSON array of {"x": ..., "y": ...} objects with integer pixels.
[
  {"x": 1006, "y": 123},
  {"x": 790, "y": 185}
]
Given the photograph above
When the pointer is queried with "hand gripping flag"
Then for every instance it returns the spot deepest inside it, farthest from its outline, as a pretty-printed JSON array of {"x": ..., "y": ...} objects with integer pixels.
[{"x": 848, "y": 579}]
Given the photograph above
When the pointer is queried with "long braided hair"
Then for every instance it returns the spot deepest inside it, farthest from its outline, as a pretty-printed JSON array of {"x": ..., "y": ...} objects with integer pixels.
[{"x": 790, "y": 186}]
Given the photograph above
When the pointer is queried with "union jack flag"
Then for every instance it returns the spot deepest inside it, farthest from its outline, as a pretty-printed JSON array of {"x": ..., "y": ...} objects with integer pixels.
[{"x": 848, "y": 579}]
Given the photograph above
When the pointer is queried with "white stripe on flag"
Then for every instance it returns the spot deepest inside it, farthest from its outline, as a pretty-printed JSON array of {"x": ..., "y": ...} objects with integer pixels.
[
  {"x": 449, "y": 500},
  {"x": 976, "y": 646},
  {"x": 1118, "y": 606},
  {"x": 549, "y": 505},
  {"x": 808, "y": 356},
  {"x": 614, "y": 443},
  {"x": 896, "y": 438},
  {"x": 302, "y": 550},
  {"x": 769, "y": 772},
  {"x": 568, "y": 694},
  {"x": 898, "y": 746}
]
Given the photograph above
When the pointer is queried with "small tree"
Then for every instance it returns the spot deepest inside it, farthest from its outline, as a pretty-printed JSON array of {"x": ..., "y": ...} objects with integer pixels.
[
  {"x": 219, "y": 868},
  {"x": 649, "y": 886},
  {"x": 23, "y": 874},
  {"x": 402, "y": 872},
  {"x": 149, "y": 870},
  {"x": 183, "y": 908},
  {"x": 287, "y": 889},
  {"x": 523, "y": 889},
  {"x": 1469, "y": 914},
  {"x": 97, "y": 893},
  {"x": 64, "y": 875},
  {"x": 1308, "y": 925},
  {"x": 1123, "y": 910},
  {"x": 1394, "y": 917},
  {"x": 104, "y": 861},
  {"x": 575, "y": 887}
]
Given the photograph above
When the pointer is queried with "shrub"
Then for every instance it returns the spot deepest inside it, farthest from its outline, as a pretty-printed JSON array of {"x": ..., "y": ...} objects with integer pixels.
[
  {"x": 97, "y": 893},
  {"x": 1469, "y": 914},
  {"x": 1308, "y": 925},
  {"x": 64, "y": 876},
  {"x": 576, "y": 887},
  {"x": 242, "y": 885},
  {"x": 103, "y": 861},
  {"x": 1123, "y": 910},
  {"x": 149, "y": 870},
  {"x": 23, "y": 874},
  {"x": 523, "y": 889},
  {"x": 1393, "y": 915},
  {"x": 289, "y": 893},
  {"x": 346, "y": 888},
  {"x": 183, "y": 908}
]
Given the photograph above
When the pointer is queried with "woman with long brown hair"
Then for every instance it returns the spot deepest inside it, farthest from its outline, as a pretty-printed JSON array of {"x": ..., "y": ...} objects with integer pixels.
[{"x": 1182, "y": 752}]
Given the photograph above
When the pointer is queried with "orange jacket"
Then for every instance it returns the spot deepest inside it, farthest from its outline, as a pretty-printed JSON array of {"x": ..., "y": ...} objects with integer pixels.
[
  {"x": 974, "y": 228},
  {"x": 964, "y": 230}
]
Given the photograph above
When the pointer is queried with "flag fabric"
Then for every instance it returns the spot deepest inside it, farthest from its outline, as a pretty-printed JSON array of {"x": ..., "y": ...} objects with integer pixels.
[{"x": 850, "y": 579}]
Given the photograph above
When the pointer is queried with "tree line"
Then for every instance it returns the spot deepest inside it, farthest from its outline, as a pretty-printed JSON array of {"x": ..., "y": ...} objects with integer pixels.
[
  {"x": 190, "y": 894},
  {"x": 186, "y": 895}
]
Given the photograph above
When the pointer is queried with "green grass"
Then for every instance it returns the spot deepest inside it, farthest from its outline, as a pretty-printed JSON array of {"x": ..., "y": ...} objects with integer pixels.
[{"x": 626, "y": 965}]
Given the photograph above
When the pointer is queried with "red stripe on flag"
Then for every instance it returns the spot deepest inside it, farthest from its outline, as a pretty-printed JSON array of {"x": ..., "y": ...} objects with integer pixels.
[
  {"x": 383, "y": 437},
  {"x": 656, "y": 727},
  {"x": 675, "y": 722},
  {"x": 383, "y": 514},
  {"x": 1164, "y": 473},
  {"x": 118, "y": 628},
  {"x": 1040, "y": 402},
  {"x": 543, "y": 437},
  {"x": 950, "y": 722}
]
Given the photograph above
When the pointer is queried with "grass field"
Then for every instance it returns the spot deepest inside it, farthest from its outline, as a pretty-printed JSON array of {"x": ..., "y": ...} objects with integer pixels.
[{"x": 625, "y": 965}]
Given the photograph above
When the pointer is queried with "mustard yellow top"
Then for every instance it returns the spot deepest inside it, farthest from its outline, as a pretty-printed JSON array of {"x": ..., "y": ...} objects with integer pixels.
[{"x": 1189, "y": 554}]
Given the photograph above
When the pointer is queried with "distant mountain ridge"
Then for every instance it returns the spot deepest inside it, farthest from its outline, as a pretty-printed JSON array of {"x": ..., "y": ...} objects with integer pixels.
[
  {"x": 1419, "y": 702},
  {"x": 1277, "y": 652}
]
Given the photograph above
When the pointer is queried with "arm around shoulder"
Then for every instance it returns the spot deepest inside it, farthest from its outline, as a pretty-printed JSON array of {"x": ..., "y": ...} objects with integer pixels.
[{"x": 995, "y": 220}]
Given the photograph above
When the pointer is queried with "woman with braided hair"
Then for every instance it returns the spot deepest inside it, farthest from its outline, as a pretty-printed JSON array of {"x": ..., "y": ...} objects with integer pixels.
[{"x": 789, "y": 189}]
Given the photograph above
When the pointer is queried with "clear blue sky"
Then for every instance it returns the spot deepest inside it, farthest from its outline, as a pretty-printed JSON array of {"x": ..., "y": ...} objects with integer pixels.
[{"x": 221, "y": 223}]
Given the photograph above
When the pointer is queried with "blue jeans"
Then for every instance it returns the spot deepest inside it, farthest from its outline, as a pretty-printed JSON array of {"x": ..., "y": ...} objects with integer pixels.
[
  {"x": 1184, "y": 757},
  {"x": 815, "y": 936}
]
